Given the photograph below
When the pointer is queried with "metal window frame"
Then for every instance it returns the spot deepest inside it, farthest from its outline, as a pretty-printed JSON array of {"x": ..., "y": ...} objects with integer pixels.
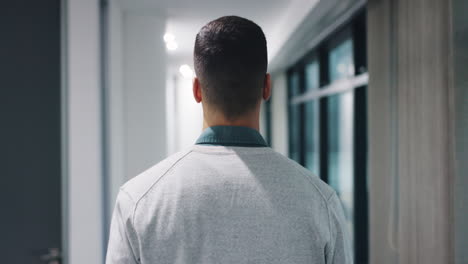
[
  {"x": 336, "y": 87},
  {"x": 360, "y": 181}
]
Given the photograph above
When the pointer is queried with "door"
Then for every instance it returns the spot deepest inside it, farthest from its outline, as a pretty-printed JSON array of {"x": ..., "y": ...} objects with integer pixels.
[{"x": 30, "y": 132}]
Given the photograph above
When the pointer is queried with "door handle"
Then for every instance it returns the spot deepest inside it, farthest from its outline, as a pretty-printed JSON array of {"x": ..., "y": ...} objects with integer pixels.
[{"x": 52, "y": 257}]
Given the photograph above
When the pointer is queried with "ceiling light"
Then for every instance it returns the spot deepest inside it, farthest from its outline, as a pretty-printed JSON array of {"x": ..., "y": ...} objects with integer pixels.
[
  {"x": 186, "y": 71},
  {"x": 168, "y": 37},
  {"x": 171, "y": 45}
]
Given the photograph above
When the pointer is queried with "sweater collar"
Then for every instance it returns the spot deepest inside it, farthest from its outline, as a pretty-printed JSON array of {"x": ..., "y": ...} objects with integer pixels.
[{"x": 231, "y": 136}]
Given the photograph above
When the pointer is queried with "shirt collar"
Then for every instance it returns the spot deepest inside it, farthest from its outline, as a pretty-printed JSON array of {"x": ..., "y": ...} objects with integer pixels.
[{"x": 231, "y": 136}]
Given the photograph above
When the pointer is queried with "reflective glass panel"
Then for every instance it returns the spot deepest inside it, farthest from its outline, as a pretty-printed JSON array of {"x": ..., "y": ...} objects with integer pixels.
[
  {"x": 311, "y": 126},
  {"x": 294, "y": 119},
  {"x": 341, "y": 63},
  {"x": 340, "y": 129}
]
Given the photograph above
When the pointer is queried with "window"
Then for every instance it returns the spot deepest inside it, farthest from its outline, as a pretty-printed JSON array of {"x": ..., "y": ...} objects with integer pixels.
[
  {"x": 311, "y": 124},
  {"x": 328, "y": 121},
  {"x": 294, "y": 119},
  {"x": 340, "y": 129}
]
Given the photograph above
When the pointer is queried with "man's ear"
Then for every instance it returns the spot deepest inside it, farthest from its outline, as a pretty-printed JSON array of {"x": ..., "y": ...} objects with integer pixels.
[
  {"x": 267, "y": 87},
  {"x": 197, "y": 93}
]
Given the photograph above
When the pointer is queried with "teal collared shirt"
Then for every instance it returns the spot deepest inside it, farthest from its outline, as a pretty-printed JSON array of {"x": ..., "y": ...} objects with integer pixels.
[{"x": 231, "y": 136}]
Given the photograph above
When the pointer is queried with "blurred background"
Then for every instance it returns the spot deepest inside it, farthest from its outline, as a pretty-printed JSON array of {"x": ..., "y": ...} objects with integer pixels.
[{"x": 371, "y": 96}]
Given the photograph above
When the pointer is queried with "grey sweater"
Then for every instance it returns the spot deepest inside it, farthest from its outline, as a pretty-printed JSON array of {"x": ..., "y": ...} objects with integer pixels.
[{"x": 218, "y": 204}]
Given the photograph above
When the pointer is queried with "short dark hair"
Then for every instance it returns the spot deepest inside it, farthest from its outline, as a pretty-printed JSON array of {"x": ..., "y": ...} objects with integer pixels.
[{"x": 230, "y": 59}]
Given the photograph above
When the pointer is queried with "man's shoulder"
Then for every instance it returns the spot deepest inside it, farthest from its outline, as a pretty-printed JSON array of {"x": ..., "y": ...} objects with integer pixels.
[
  {"x": 322, "y": 188},
  {"x": 139, "y": 185}
]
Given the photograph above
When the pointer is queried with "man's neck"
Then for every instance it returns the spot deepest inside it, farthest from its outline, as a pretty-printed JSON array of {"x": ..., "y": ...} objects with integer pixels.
[{"x": 241, "y": 122}]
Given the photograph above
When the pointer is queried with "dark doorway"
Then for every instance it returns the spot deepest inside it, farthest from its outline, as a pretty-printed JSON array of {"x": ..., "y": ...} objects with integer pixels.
[{"x": 30, "y": 130}]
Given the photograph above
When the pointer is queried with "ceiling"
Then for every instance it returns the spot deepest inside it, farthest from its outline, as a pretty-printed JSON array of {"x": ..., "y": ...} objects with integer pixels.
[{"x": 184, "y": 18}]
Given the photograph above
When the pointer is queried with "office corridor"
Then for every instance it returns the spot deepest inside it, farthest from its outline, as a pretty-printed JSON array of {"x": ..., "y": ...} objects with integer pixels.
[{"x": 370, "y": 96}]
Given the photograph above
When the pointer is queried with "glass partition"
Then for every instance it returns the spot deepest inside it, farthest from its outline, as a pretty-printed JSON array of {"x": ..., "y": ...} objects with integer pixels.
[
  {"x": 311, "y": 124},
  {"x": 294, "y": 120},
  {"x": 328, "y": 127},
  {"x": 340, "y": 129}
]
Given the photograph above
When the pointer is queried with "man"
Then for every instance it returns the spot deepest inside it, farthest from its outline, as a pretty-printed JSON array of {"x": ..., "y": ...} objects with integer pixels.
[{"x": 229, "y": 198}]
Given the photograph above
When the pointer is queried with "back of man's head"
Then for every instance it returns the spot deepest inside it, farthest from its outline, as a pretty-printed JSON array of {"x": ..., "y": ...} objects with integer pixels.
[{"x": 230, "y": 59}]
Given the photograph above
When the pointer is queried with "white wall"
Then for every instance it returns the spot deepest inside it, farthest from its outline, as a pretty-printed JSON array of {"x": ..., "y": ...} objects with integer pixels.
[
  {"x": 186, "y": 113},
  {"x": 263, "y": 121},
  {"x": 136, "y": 118},
  {"x": 144, "y": 72},
  {"x": 279, "y": 115},
  {"x": 83, "y": 106},
  {"x": 170, "y": 112},
  {"x": 115, "y": 120}
]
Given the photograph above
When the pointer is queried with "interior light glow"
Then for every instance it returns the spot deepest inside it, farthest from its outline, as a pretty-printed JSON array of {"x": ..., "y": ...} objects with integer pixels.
[
  {"x": 171, "y": 45},
  {"x": 186, "y": 71},
  {"x": 168, "y": 37}
]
